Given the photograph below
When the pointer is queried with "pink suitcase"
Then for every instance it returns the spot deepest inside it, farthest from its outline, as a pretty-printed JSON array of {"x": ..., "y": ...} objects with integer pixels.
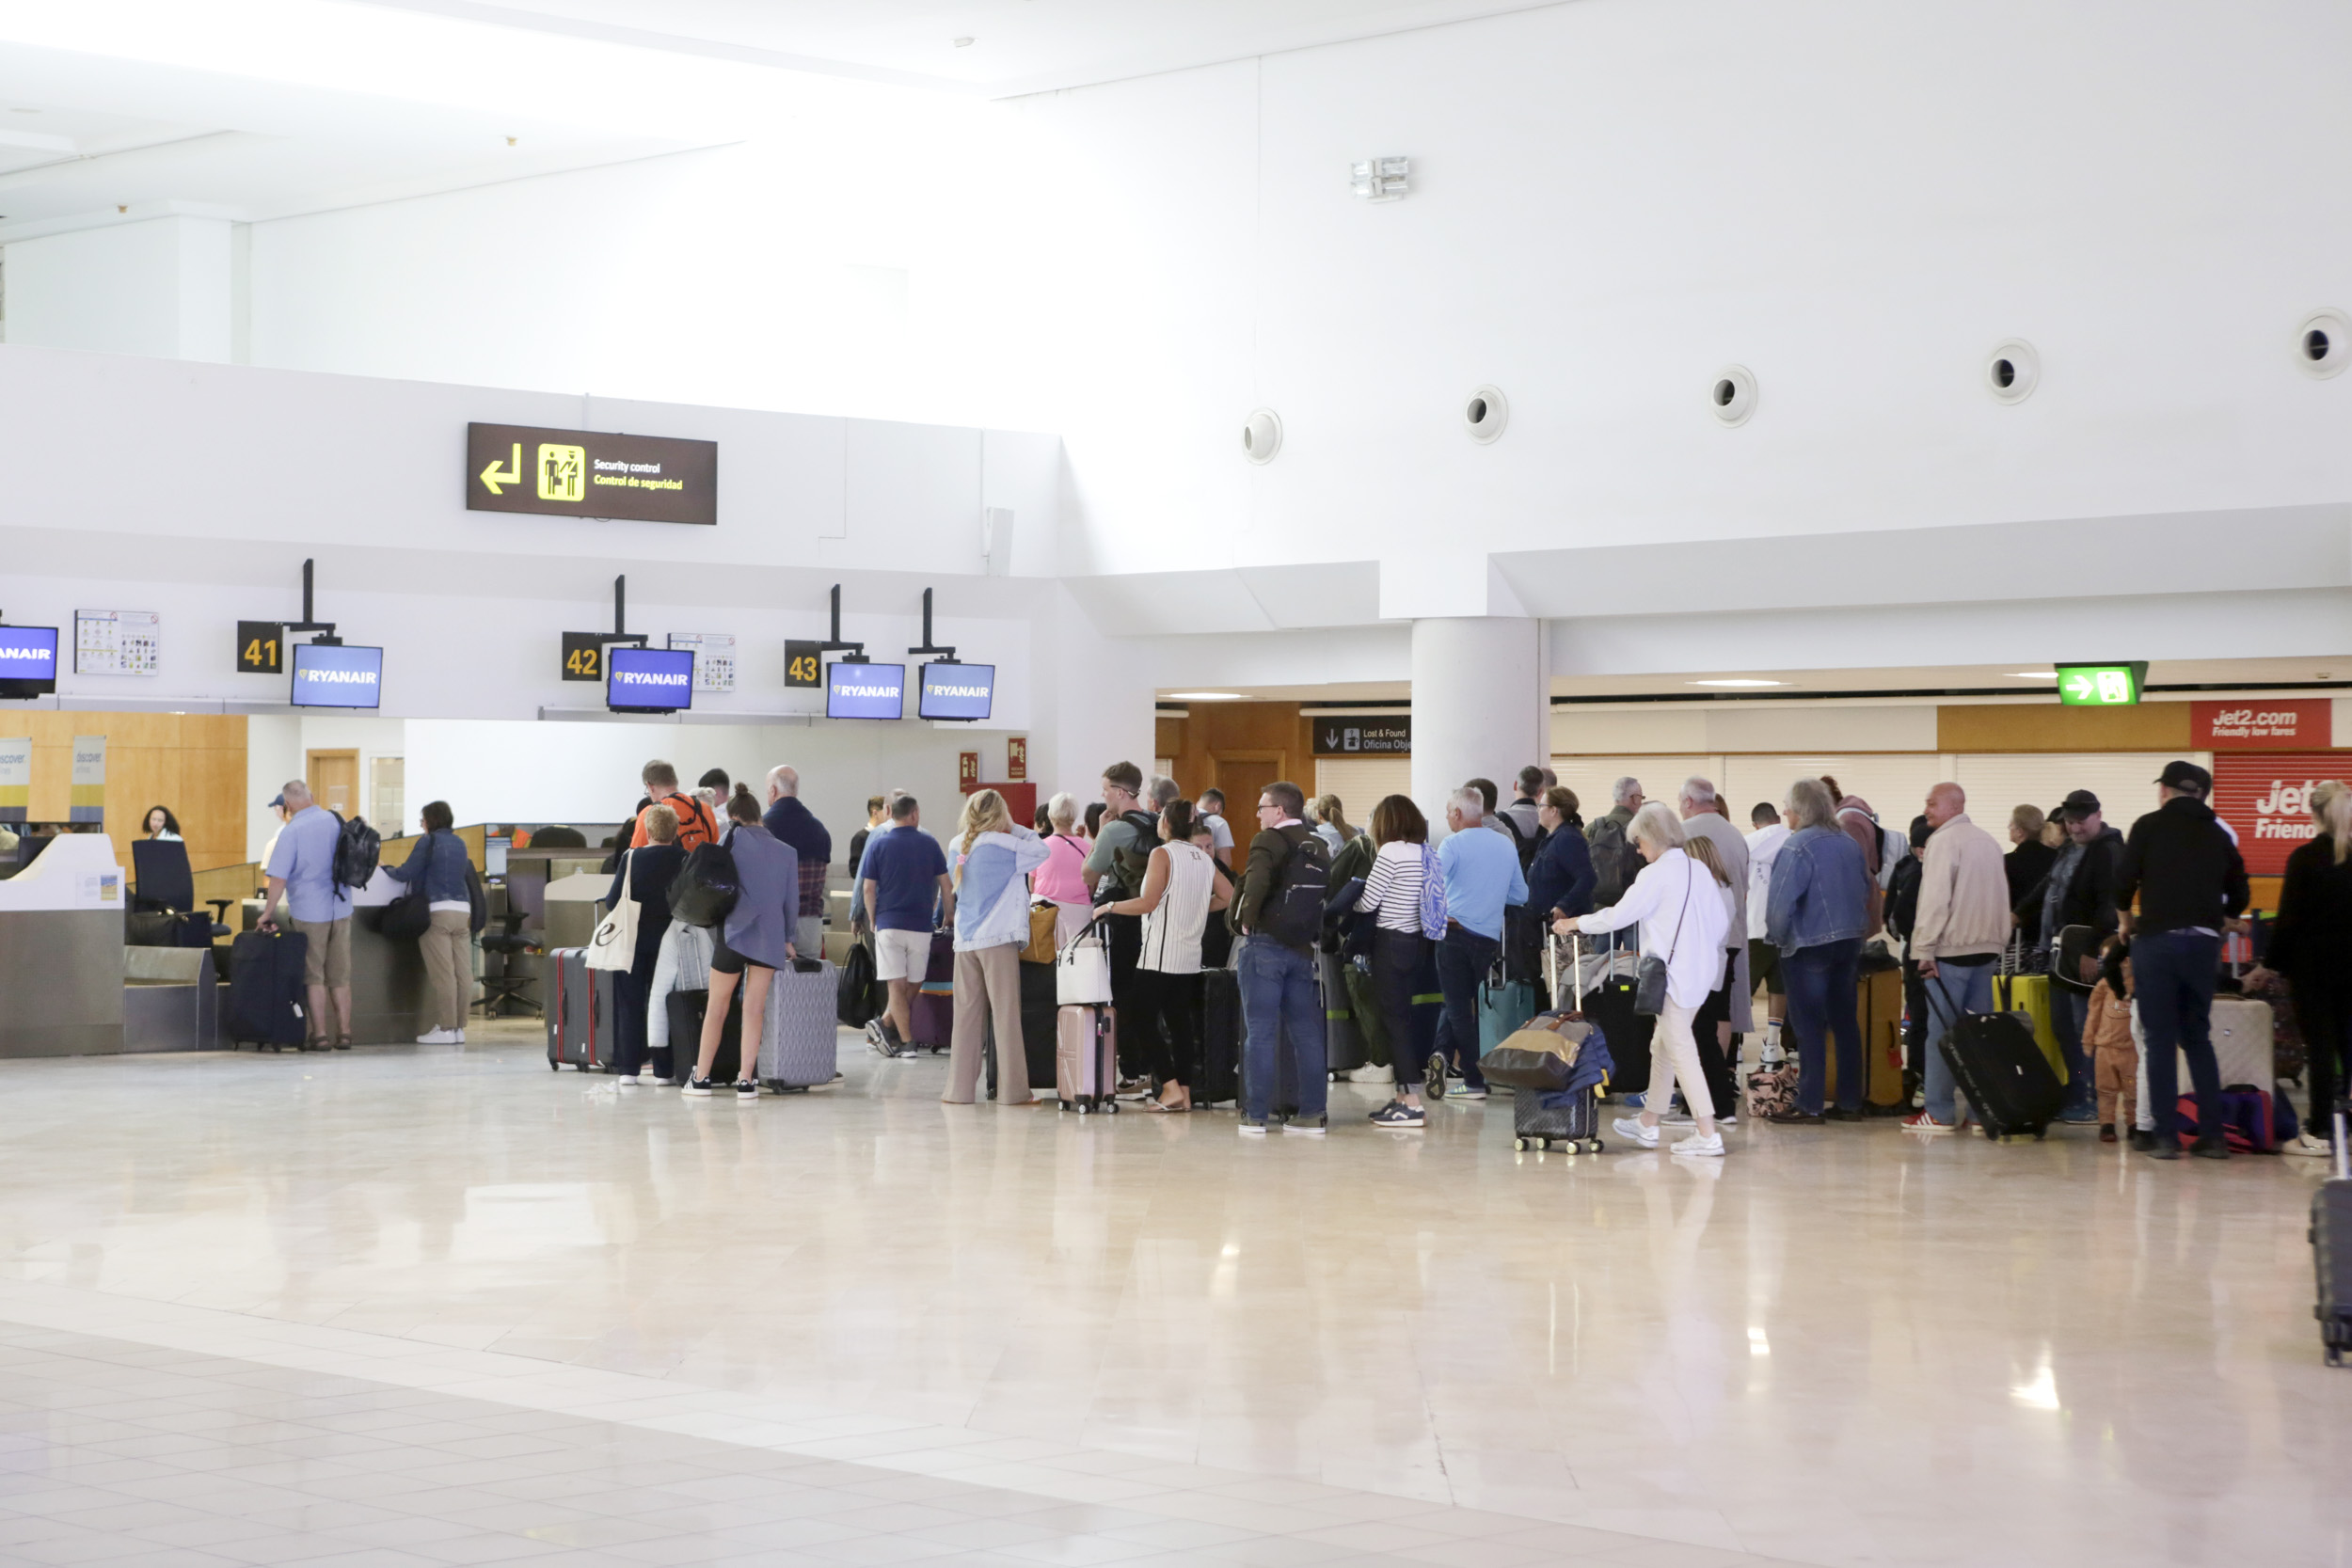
[{"x": 1086, "y": 1059}]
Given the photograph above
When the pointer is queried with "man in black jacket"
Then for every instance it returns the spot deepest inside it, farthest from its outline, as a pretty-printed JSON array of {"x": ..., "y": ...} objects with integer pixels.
[
  {"x": 2079, "y": 890},
  {"x": 2191, "y": 881},
  {"x": 1280, "y": 909}
]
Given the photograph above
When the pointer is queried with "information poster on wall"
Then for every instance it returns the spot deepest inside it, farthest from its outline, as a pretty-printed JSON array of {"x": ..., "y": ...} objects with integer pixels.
[
  {"x": 16, "y": 777},
  {"x": 2267, "y": 800},
  {"x": 87, "y": 800},
  {"x": 714, "y": 658},
  {"x": 117, "y": 643}
]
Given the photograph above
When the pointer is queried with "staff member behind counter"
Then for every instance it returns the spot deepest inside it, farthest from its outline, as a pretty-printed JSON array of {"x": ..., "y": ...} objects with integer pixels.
[
  {"x": 302, "y": 866},
  {"x": 447, "y": 944}
]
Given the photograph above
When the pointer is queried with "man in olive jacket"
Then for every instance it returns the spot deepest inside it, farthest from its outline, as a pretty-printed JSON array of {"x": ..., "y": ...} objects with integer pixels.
[{"x": 1280, "y": 909}]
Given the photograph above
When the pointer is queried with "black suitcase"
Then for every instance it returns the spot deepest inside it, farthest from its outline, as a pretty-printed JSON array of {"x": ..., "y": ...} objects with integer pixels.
[
  {"x": 1038, "y": 1009},
  {"x": 2332, "y": 1252},
  {"x": 1221, "y": 1038},
  {"x": 266, "y": 998},
  {"x": 2001, "y": 1070},
  {"x": 1343, "y": 1045},
  {"x": 1610, "y": 1004},
  {"x": 688, "y": 1008}
]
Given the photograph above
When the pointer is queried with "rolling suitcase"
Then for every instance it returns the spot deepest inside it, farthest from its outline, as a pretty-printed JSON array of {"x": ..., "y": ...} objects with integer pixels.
[
  {"x": 1085, "y": 1058},
  {"x": 1610, "y": 1004},
  {"x": 1038, "y": 1009},
  {"x": 2244, "y": 1036},
  {"x": 1343, "y": 1039},
  {"x": 1221, "y": 1038},
  {"x": 2331, "y": 1250},
  {"x": 1369, "y": 1024},
  {"x": 581, "y": 1024},
  {"x": 2001, "y": 1067},
  {"x": 265, "y": 992},
  {"x": 797, "y": 1046},
  {"x": 1504, "y": 1005},
  {"x": 1543, "y": 1117},
  {"x": 688, "y": 1008},
  {"x": 931, "y": 1011}
]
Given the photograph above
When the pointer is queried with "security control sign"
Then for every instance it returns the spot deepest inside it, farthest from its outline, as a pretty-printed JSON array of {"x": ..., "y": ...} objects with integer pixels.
[
  {"x": 587, "y": 473},
  {"x": 2101, "y": 684},
  {"x": 1358, "y": 735}
]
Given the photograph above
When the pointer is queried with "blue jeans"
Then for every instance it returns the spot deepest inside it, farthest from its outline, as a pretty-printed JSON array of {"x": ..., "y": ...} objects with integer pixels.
[
  {"x": 2173, "y": 973},
  {"x": 1821, "y": 981},
  {"x": 2070, "y": 1010},
  {"x": 1953, "y": 993},
  {"x": 1464, "y": 958},
  {"x": 1282, "y": 1009}
]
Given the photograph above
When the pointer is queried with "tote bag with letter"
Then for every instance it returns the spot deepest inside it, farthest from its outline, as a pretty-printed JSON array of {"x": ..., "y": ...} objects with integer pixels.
[
  {"x": 615, "y": 945},
  {"x": 1082, "y": 971}
]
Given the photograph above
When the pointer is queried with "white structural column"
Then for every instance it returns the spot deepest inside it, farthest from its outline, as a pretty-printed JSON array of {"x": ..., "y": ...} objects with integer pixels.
[
  {"x": 1481, "y": 704},
  {"x": 164, "y": 287}
]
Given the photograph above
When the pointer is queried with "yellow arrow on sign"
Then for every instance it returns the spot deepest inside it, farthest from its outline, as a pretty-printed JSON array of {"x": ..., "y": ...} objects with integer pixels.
[{"x": 493, "y": 476}]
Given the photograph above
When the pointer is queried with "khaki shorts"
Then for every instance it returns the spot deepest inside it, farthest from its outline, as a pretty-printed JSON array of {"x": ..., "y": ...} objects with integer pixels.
[
  {"x": 902, "y": 956},
  {"x": 327, "y": 962}
]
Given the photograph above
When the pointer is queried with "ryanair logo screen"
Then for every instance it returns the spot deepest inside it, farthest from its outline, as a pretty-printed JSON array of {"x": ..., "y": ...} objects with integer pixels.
[
  {"x": 865, "y": 690},
  {"x": 337, "y": 675},
  {"x": 587, "y": 473},
  {"x": 29, "y": 653},
  {"x": 648, "y": 680},
  {"x": 958, "y": 691}
]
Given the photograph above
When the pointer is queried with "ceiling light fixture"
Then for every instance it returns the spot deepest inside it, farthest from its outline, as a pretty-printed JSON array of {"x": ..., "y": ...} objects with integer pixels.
[
  {"x": 1204, "y": 696},
  {"x": 1379, "y": 178},
  {"x": 2034, "y": 675},
  {"x": 964, "y": 44},
  {"x": 1735, "y": 683}
]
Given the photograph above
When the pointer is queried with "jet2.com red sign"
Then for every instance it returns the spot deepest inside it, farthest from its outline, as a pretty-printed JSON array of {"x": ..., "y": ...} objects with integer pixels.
[{"x": 2266, "y": 797}]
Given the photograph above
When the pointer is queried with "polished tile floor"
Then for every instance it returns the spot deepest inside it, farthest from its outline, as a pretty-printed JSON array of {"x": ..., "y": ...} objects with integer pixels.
[{"x": 416, "y": 1306}]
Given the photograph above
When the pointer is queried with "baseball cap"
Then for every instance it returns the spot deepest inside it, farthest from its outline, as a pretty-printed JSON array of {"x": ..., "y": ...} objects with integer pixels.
[
  {"x": 2079, "y": 802},
  {"x": 277, "y": 801},
  {"x": 2185, "y": 775}
]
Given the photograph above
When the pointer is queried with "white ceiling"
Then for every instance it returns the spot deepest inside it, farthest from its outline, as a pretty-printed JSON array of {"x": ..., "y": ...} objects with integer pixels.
[{"x": 1015, "y": 46}]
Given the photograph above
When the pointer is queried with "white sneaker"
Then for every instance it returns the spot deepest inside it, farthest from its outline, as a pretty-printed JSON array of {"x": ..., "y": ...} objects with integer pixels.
[
  {"x": 1710, "y": 1145},
  {"x": 461, "y": 1037},
  {"x": 438, "y": 1037},
  {"x": 1373, "y": 1073},
  {"x": 2303, "y": 1143},
  {"x": 1631, "y": 1129}
]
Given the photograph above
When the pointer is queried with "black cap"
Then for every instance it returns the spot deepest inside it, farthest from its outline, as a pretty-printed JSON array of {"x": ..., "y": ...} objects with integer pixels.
[
  {"x": 2080, "y": 802},
  {"x": 2187, "y": 775}
]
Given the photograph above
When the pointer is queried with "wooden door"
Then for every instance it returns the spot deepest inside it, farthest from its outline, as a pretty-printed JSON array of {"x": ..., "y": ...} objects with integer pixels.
[
  {"x": 334, "y": 778},
  {"x": 1242, "y": 775}
]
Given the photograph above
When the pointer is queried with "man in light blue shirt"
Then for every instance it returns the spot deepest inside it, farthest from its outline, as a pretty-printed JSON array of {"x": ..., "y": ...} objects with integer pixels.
[
  {"x": 302, "y": 866},
  {"x": 1482, "y": 878}
]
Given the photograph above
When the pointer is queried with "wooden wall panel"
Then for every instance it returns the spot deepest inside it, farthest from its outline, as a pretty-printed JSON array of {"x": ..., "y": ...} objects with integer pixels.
[
  {"x": 1276, "y": 732},
  {"x": 191, "y": 763},
  {"x": 2039, "y": 727}
]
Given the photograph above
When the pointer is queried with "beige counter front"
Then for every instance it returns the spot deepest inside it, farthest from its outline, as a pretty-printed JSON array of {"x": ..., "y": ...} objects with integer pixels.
[{"x": 61, "y": 951}]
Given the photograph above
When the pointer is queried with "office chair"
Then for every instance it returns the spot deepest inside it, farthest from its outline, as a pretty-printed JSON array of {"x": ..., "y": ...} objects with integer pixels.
[
  {"x": 162, "y": 884},
  {"x": 504, "y": 936}
]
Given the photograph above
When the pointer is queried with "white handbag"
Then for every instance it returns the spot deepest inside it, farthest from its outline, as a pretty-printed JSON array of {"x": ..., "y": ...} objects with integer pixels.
[
  {"x": 614, "y": 946},
  {"x": 1082, "y": 971}
]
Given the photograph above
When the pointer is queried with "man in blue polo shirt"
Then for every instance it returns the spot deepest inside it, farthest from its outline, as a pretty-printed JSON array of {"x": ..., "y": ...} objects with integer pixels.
[
  {"x": 1482, "y": 877},
  {"x": 904, "y": 879},
  {"x": 302, "y": 866}
]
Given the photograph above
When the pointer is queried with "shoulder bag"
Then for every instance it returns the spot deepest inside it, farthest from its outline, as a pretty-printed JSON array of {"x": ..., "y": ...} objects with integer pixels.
[
  {"x": 1082, "y": 971},
  {"x": 1649, "y": 978},
  {"x": 615, "y": 945},
  {"x": 410, "y": 914}
]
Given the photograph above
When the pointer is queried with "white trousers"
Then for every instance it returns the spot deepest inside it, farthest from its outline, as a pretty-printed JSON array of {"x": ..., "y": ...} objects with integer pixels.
[{"x": 1674, "y": 1055}]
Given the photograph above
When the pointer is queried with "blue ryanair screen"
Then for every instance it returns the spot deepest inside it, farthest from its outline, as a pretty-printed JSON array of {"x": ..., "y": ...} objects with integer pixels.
[
  {"x": 29, "y": 654},
  {"x": 334, "y": 675},
  {"x": 865, "y": 690},
  {"x": 660, "y": 680},
  {"x": 956, "y": 691}
]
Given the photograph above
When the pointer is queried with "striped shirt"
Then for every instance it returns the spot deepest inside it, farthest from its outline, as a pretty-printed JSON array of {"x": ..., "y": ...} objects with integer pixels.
[
  {"x": 1393, "y": 889},
  {"x": 1172, "y": 933}
]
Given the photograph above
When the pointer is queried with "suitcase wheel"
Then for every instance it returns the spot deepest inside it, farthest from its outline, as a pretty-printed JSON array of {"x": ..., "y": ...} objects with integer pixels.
[
  {"x": 1595, "y": 1145},
  {"x": 554, "y": 1066},
  {"x": 1110, "y": 1106}
]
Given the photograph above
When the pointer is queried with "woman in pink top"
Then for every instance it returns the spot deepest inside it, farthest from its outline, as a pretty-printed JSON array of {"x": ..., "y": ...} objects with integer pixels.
[{"x": 1061, "y": 878}]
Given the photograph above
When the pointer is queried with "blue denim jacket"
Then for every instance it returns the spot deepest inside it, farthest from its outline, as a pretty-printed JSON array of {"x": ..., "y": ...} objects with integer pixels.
[
  {"x": 440, "y": 860},
  {"x": 1821, "y": 891}
]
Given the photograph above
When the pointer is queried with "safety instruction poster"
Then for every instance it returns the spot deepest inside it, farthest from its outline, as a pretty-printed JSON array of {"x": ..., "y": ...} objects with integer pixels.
[
  {"x": 117, "y": 643},
  {"x": 714, "y": 658}
]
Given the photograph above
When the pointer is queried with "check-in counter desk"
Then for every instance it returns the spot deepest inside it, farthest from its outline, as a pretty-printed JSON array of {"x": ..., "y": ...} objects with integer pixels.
[
  {"x": 61, "y": 951},
  {"x": 563, "y": 922},
  {"x": 387, "y": 973}
]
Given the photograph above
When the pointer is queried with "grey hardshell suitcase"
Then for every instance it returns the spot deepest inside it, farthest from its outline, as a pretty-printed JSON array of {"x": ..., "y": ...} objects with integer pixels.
[
  {"x": 796, "y": 1045},
  {"x": 581, "y": 1013},
  {"x": 2331, "y": 1250}
]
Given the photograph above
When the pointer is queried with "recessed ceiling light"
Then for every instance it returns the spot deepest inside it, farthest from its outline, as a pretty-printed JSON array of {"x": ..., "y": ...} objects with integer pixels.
[
  {"x": 1206, "y": 696},
  {"x": 16, "y": 111},
  {"x": 964, "y": 44},
  {"x": 2034, "y": 675},
  {"x": 1735, "y": 683}
]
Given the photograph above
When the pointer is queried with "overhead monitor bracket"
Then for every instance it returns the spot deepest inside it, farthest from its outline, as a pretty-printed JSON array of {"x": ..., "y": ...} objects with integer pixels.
[
  {"x": 620, "y": 617},
  {"x": 326, "y": 629},
  {"x": 851, "y": 653},
  {"x": 928, "y": 649}
]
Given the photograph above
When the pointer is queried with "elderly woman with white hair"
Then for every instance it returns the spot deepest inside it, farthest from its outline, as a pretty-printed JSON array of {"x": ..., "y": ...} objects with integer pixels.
[
  {"x": 1818, "y": 911},
  {"x": 1681, "y": 901},
  {"x": 1061, "y": 880}
]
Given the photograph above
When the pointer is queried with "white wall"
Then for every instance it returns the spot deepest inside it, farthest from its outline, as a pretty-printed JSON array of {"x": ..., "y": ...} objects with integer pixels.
[{"x": 162, "y": 287}]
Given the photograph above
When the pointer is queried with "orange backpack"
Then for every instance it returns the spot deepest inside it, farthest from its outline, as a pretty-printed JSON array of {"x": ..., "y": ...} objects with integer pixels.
[{"x": 695, "y": 826}]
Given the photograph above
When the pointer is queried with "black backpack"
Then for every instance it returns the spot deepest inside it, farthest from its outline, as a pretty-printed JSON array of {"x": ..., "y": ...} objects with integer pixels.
[
  {"x": 1529, "y": 845},
  {"x": 1132, "y": 861},
  {"x": 1614, "y": 859},
  {"x": 1293, "y": 912},
  {"x": 358, "y": 847}
]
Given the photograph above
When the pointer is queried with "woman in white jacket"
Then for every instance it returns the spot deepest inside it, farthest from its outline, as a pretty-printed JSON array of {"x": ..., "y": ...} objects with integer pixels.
[
  {"x": 995, "y": 856},
  {"x": 1684, "y": 916}
]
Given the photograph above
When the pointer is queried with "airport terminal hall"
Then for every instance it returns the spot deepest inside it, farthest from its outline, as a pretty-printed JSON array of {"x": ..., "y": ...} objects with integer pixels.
[{"x": 1257, "y": 784}]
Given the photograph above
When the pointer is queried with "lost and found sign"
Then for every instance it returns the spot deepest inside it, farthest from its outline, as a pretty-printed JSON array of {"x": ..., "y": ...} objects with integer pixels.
[
  {"x": 587, "y": 473},
  {"x": 1365, "y": 735}
]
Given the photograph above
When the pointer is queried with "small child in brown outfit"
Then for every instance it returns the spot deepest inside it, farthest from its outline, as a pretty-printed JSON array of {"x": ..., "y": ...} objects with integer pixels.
[{"x": 2108, "y": 1036}]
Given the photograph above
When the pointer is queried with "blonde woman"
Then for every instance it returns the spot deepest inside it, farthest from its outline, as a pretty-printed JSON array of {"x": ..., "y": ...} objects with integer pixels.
[
  {"x": 2311, "y": 945},
  {"x": 1181, "y": 889},
  {"x": 994, "y": 857},
  {"x": 1330, "y": 822},
  {"x": 1683, "y": 906}
]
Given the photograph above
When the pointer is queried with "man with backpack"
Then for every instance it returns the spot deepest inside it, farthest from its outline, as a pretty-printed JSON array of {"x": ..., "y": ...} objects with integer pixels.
[
  {"x": 1114, "y": 870},
  {"x": 696, "y": 826},
  {"x": 1481, "y": 880},
  {"x": 302, "y": 866},
  {"x": 1280, "y": 910},
  {"x": 1615, "y": 862}
]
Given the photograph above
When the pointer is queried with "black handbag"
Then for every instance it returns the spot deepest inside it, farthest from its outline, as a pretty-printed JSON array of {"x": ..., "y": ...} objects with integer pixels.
[
  {"x": 706, "y": 887},
  {"x": 408, "y": 915},
  {"x": 1650, "y": 975}
]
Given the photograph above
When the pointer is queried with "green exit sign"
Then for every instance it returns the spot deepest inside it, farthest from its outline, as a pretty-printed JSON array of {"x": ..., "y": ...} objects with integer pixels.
[{"x": 2101, "y": 684}]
